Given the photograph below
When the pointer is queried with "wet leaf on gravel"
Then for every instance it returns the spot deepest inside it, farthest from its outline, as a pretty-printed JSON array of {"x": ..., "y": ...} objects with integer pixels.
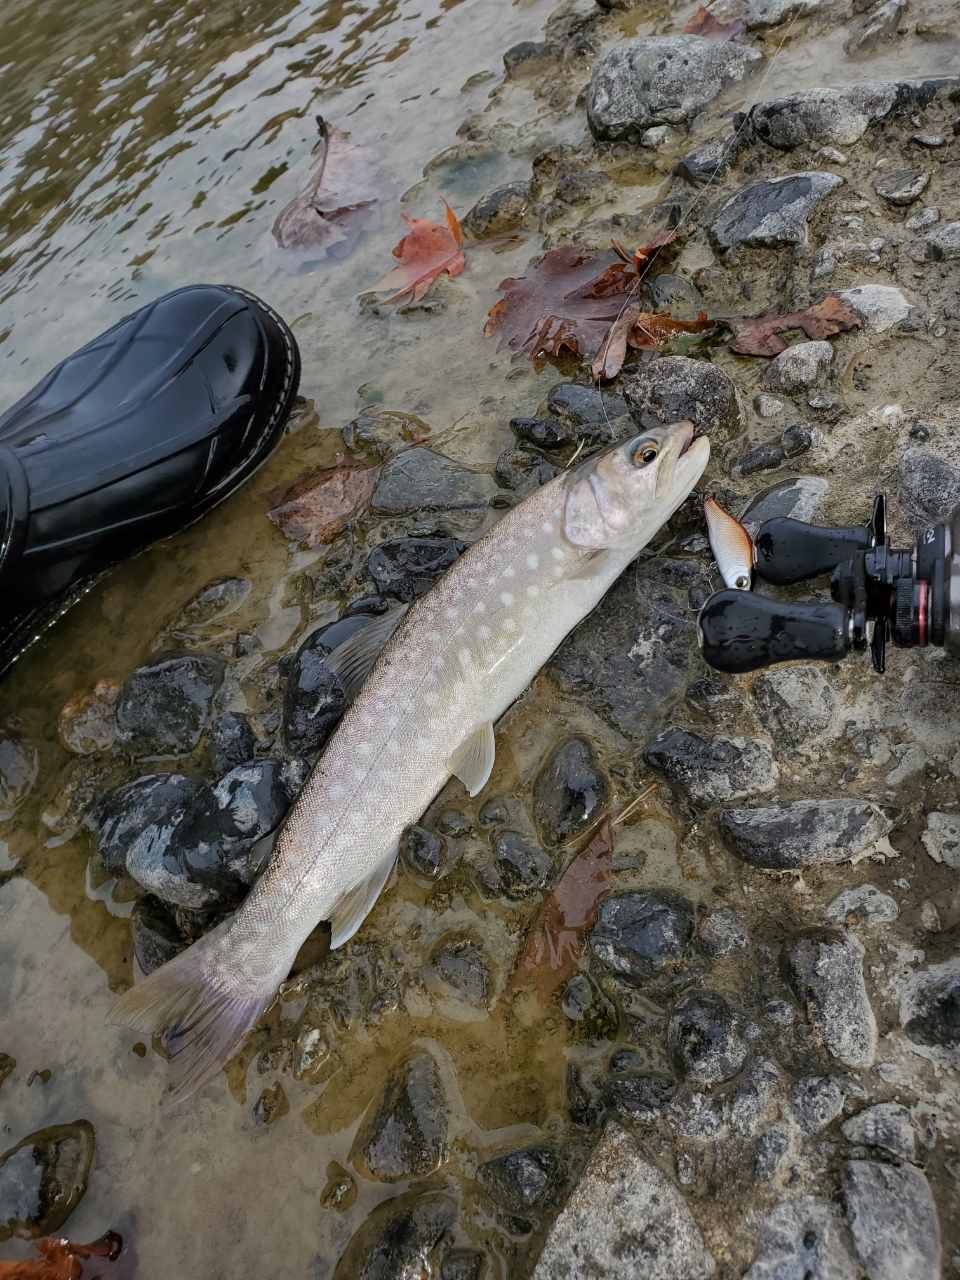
[
  {"x": 760, "y": 335},
  {"x": 336, "y": 204},
  {"x": 568, "y": 915},
  {"x": 61, "y": 1259},
  {"x": 428, "y": 250},
  {"x": 703, "y": 23},
  {"x": 315, "y": 506},
  {"x": 643, "y": 331}
]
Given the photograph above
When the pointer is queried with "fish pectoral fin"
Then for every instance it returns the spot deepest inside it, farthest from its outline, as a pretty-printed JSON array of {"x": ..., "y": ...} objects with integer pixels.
[
  {"x": 353, "y": 908},
  {"x": 473, "y": 762},
  {"x": 353, "y": 660},
  {"x": 589, "y": 567}
]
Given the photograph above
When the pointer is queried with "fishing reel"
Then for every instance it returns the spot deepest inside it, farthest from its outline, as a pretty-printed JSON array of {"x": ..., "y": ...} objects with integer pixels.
[{"x": 880, "y": 595}]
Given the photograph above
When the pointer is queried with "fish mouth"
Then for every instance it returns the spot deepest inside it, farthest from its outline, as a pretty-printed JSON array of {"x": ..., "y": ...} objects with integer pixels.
[
  {"x": 679, "y": 441},
  {"x": 690, "y": 430}
]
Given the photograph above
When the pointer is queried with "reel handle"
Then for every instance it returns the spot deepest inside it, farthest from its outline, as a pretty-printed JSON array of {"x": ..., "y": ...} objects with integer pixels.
[
  {"x": 787, "y": 550},
  {"x": 739, "y": 631}
]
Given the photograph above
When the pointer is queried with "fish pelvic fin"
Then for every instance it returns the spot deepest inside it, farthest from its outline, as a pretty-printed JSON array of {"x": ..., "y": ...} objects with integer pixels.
[
  {"x": 202, "y": 1022},
  {"x": 356, "y": 904}
]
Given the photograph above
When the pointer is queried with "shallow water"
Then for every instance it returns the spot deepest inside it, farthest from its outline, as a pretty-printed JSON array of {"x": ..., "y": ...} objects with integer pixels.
[{"x": 144, "y": 146}]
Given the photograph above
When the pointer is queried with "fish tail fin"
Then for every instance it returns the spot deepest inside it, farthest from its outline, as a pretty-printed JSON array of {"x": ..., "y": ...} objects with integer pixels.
[{"x": 202, "y": 1021}]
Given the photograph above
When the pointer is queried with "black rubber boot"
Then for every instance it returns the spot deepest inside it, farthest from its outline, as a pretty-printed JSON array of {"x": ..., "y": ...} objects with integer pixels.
[{"x": 130, "y": 439}]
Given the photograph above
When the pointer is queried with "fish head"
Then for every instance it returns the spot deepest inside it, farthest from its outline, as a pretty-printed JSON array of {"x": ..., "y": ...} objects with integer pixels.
[{"x": 618, "y": 500}]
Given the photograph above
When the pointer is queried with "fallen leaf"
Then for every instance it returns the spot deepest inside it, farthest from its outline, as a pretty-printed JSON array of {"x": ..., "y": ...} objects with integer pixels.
[
  {"x": 336, "y": 204},
  {"x": 568, "y": 915},
  {"x": 61, "y": 1259},
  {"x": 643, "y": 331},
  {"x": 427, "y": 251},
  {"x": 562, "y": 305},
  {"x": 760, "y": 335},
  {"x": 317, "y": 504},
  {"x": 703, "y": 23}
]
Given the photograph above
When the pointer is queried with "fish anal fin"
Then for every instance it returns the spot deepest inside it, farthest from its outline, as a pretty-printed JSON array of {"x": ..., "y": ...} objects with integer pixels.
[
  {"x": 355, "y": 905},
  {"x": 353, "y": 660},
  {"x": 472, "y": 763},
  {"x": 590, "y": 566}
]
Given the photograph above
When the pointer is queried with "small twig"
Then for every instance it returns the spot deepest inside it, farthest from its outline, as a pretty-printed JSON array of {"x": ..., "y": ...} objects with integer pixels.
[
  {"x": 637, "y": 803},
  {"x": 568, "y": 465}
]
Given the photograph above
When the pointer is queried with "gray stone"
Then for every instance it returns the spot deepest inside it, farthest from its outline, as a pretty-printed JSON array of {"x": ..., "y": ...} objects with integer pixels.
[
  {"x": 901, "y": 186},
  {"x": 867, "y": 903},
  {"x": 674, "y": 294},
  {"x": 929, "y": 486},
  {"x": 885, "y": 1125},
  {"x": 930, "y": 1009},
  {"x": 624, "y": 1218},
  {"x": 313, "y": 698},
  {"x": 400, "y": 1237},
  {"x": 678, "y": 389},
  {"x": 458, "y": 974},
  {"x": 753, "y": 1102},
  {"x": 570, "y": 792},
  {"x": 702, "y": 1038},
  {"x": 580, "y": 187},
  {"x": 805, "y": 364},
  {"x": 928, "y": 217},
  {"x": 519, "y": 1179},
  {"x": 523, "y": 472},
  {"x": 711, "y": 160},
  {"x": 543, "y": 433},
  {"x": 123, "y": 813},
  {"x": 639, "y": 935},
  {"x": 804, "y": 1239},
  {"x": 422, "y": 851},
  {"x": 941, "y": 245},
  {"x": 405, "y": 568},
  {"x": 694, "y": 1115},
  {"x": 942, "y": 838},
  {"x": 799, "y": 499},
  {"x": 879, "y": 306},
  {"x": 768, "y": 406},
  {"x": 805, "y": 832},
  {"x": 825, "y": 969},
  {"x": 232, "y": 741},
  {"x": 18, "y": 772},
  {"x": 420, "y": 480},
  {"x": 796, "y": 704},
  {"x": 522, "y": 867},
  {"x": 464, "y": 1264},
  {"x": 499, "y": 213},
  {"x": 156, "y": 938},
  {"x": 404, "y": 1132},
  {"x": 841, "y": 116},
  {"x": 722, "y": 933},
  {"x": 43, "y": 1179},
  {"x": 166, "y": 704},
  {"x": 637, "y": 1095},
  {"x": 817, "y": 1101},
  {"x": 932, "y": 711},
  {"x": 774, "y": 211},
  {"x": 879, "y": 27},
  {"x": 770, "y": 13},
  {"x": 589, "y": 414},
  {"x": 772, "y": 1149},
  {"x": 719, "y": 769},
  {"x": 661, "y": 80},
  {"x": 532, "y": 58},
  {"x": 893, "y": 1219}
]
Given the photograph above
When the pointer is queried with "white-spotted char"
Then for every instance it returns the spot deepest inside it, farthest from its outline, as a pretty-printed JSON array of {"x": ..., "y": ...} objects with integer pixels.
[
  {"x": 731, "y": 545},
  {"x": 454, "y": 663}
]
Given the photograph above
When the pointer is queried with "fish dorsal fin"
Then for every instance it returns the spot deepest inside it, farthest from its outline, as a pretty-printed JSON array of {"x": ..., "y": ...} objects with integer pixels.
[
  {"x": 355, "y": 905},
  {"x": 472, "y": 763},
  {"x": 352, "y": 661},
  {"x": 589, "y": 567}
]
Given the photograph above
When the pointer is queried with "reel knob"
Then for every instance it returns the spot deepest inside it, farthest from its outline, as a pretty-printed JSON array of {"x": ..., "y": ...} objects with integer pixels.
[{"x": 739, "y": 631}]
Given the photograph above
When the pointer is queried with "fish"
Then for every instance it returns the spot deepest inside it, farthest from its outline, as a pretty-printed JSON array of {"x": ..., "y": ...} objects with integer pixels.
[
  {"x": 731, "y": 545},
  {"x": 429, "y": 681}
]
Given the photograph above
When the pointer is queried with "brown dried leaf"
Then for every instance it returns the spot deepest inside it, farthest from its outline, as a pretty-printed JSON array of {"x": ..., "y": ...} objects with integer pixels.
[
  {"x": 314, "y": 507},
  {"x": 760, "y": 335},
  {"x": 643, "y": 331},
  {"x": 703, "y": 23},
  {"x": 428, "y": 250},
  {"x": 568, "y": 915},
  {"x": 60, "y": 1259}
]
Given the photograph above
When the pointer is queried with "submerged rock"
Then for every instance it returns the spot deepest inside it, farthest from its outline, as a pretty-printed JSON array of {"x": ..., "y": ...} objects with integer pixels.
[
  {"x": 570, "y": 792},
  {"x": 721, "y": 768},
  {"x": 464, "y": 1264},
  {"x": 589, "y": 413},
  {"x": 722, "y": 933},
  {"x": 399, "y": 1238},
  {"x": 232, "y": 742},
  {"x": 155, "y": 801},
  {"x": 677, "y": 389},
  {"x": 87, "y": 723},
  {"x": 840, "y": 116},
  {"x": 313, "y": 698},
  {"x": 422, "y": 851},
  {"x": 620, "y": 1201},
  {"x": 804, "y": 833},
  {"x": 419, "y": 480},
  {"x": 458, "y": 973},
  {"x": 694, "y": 1115},
  {"x": 825, "y": 970},
  {"x": 881, "y": 25},
  {"x": 893, "y": 1219},
  {"x": 796, "y": 704},
  {"x": 523, "y": 867},
  {"x": 661, "y": 80},
  {"x": 804, "y": 1239},
  {"x": 43, "y": 1179},
  {"x": 543, "y": 433},
  {"x": 930, "y": 1008},
  {"x": 637, "y": 1095},
  {"x": 774, "y": 211},
  {"x": 166, "y": 704},
  {"x": 805, "y": 364},
  {"x": 886, "y": 1125},
  {"x": 18, "y": 772},
  {"x": 523, "y": 472},
  {"x": 702, "y": 1039},
  {"x": 500, "y": 212},
  {"x": 404, "y": 1134},
  {"x": 407, "y": 567},
  {"x": 156, "y": 938},
  {"x": 519, "y": 1179},
  {"x": 640, "y": 934}
]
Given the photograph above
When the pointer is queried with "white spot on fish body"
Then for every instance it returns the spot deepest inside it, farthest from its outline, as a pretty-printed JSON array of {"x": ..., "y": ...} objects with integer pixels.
[
  {"x": 483, "y": 632},
  {"x": 431, "y": 698},
  {"x": 533, "y": 562},
  {"x": 508, "y": 624},
  {"x": 533, "y": 591},
  {"x": 393, "y": 746},
  {"x": 451, "y": 615},
  {"x": 547, "y": 526},
  {"x": 510, "y": 544},
  {"x": 506, "y": 597},
  {"x": 363, "y": 748},
  {"x": 433, "y": 636},
  {"x": 509, "y": 571},
  {"x": 360, "y": 775},
  {"x": 465, "y": 657},
  {"x": 479, "y": 607},
  {"x": 557, "y": 553}
]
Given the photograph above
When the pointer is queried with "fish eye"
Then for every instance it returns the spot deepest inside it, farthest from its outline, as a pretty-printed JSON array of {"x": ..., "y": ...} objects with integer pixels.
[{"x": 645, "y": 453}]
